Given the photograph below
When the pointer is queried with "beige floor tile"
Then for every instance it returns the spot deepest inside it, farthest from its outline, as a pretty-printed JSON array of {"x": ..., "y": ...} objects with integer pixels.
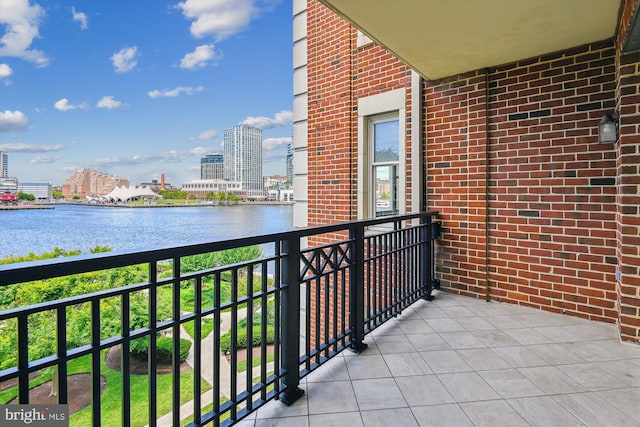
[
  {"x": 551, "y": 380},
  {"x": 422, "y": 390},
  {"x": 406, "y": 364},
  {"x": 509, "y": 383},
  {"x": 342, "y": 419},
  {"x": 388, "y": 417},
  {"x": 445, "y": 361},
  {"x": 594, "y": 411},
  {"x": 467, "y": 387},
  {"x": 381, "y": 393},
  {"x": 337, "y": 397},
  {"x": 364, "y": 366},
  {"x": 543, "y": 411},
  {"x": 493, "y": 413},
  {"x": 441, "y": 416}
]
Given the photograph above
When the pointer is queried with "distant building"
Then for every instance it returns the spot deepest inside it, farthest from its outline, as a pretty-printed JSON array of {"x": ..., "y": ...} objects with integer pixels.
[
  {"x": 202, "y": 187},
  {"x": 155, "y": 185},
  {"x": 274, "y": 181},
  {"x": 8, "y": 184},
  {"x": 290, "y": 162},
  {"x": 280, "y": 194},
  {"x": 243, "y": 158},
  {"x": 41, "y": 190},
  {"x": 91, "y": 183},
  {"x": 212, "y": 166},
  {"x": 4, "y": 164}
]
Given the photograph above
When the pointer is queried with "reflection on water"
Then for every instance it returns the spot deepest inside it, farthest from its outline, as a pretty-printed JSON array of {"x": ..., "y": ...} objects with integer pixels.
[{"x": 84, "y": 227}]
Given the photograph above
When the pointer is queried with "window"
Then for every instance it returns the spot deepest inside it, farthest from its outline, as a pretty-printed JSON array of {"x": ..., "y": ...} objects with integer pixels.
[
  {"x": 385, "y": 144},
  {"x": 381, "y": 154}
]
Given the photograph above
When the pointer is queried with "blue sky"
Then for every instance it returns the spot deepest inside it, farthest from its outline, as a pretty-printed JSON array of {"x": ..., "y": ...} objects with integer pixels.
[{"x": 140, "y": 88}]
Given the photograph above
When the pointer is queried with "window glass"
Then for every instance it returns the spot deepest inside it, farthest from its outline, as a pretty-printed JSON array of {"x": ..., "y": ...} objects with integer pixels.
[
  {"x": 386, "y": 147},
  {"x": 385, "y": 162},
  {"x": 386, "y": 190}
]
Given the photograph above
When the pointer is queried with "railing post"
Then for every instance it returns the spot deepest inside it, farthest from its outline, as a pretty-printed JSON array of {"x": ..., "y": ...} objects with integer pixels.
[
  {"x": 356, "y": 290},
  {"x": 425, "y": 257},
  {"x": 436, "y": 233},
  {"x": 290, "y": 324}
]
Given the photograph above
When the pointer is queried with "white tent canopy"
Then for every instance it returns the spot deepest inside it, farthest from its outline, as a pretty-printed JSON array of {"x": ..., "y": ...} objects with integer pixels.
[{"x": 126, "y": 194}]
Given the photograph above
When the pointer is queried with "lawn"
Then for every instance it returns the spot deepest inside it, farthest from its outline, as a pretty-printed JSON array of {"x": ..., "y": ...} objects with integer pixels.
[{"x": 111, "y": 397}]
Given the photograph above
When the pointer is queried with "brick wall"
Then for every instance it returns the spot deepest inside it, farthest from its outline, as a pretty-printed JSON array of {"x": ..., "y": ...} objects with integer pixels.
[
  {"x": 536, "y": 211},
  {"x": 550, "y": 186},
  {"x": 339, "y": 73},
  {"x": 628, "y": 171}
]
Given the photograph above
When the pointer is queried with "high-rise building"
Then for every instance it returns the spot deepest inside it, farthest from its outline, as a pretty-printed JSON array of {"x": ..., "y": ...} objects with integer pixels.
[
  {"x": 243, "y": 158},
  {"x": 4, "y": 164},
  {"x": 290, "y": 162},
  {"x": 212, "y": 166}
]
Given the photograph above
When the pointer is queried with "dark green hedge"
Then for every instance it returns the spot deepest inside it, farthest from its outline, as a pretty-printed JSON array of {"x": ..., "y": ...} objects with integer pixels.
[
  {"x": 164, "y": 350},
  {"x": 225, "y": 340}
]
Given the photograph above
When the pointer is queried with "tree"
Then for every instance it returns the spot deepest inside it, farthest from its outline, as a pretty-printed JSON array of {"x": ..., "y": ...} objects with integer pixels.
[
  {"x": 26, "y": 196},
  {"x": 57, "y": 194},
  {"x": 42, "y": 333},
  {"x": 238, "y": 255},
  {"x": 174, "y": 194}
]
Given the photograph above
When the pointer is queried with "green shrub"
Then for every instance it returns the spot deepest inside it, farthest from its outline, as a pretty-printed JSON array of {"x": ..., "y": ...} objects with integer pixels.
[
  {"x": 225, "y": 340},
  {"x": 164, "y": 349}
]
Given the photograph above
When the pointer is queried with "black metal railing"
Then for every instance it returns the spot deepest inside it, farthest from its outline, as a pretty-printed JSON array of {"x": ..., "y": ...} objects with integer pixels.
[{"x": 269, "y": 321}]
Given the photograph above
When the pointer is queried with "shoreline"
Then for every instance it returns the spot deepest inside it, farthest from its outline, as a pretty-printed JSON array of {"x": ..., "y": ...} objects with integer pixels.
[
  {"x": 168, "y": 205},
  {"x": 24, "y": 207},
  {"x": 52, "y": 205}
]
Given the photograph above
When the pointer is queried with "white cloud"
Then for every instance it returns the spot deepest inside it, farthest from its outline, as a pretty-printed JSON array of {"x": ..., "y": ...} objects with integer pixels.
[
  {"x": 12, "y": 120},
  {"x": 272, "y": 143},
  {"x": 20, "y": 147},
  {"x": 200, "y": 151},
  {"x": 206, "y": 135},
  {"x": 44, "y": 159},
  {"x": 172, "y": 156},
  {"x": 80, "y": 17},
  {"x": 172, "y": 93},
  {"x": 125, "y": 59},
  {"x": 5, "y": 71},
  {"x": 109, "y": 103},
  {"x": 21, "y": 22},
  {"x": 199, "y": 57},
  {"x": 282, "y": 118},
  {"x": 220, "y": 18},
  {"x": 63, "y": 105}
]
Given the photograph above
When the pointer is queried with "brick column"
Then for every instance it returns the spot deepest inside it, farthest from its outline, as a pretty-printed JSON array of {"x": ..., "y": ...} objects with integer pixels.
[
  {"x": 628, "y": 214},
  {"x": 456, "y": 112}
]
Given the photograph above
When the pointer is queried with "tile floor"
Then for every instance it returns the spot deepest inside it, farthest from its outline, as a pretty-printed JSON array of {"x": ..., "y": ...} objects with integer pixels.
[{"x": 457, "y": 361}]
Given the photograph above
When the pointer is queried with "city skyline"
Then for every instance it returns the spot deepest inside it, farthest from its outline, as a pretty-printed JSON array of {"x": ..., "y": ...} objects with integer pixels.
[{"x": 137, "y": 90}]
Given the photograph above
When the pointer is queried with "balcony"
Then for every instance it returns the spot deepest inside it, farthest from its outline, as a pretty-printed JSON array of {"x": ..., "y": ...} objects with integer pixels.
[
  {"x": 462, "y": 362},
  {"x": 310, "y": 295}
]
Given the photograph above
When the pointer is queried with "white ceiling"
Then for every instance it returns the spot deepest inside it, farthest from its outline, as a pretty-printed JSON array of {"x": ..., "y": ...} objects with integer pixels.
[{"x": 441, "y": 38}]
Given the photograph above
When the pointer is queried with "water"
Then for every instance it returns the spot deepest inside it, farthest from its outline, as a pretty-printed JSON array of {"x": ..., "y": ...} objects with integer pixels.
[{"x": 84, "y": 227}]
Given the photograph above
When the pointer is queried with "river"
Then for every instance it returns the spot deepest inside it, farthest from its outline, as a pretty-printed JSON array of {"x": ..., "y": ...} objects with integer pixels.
[{"x": 73, "y": 227}]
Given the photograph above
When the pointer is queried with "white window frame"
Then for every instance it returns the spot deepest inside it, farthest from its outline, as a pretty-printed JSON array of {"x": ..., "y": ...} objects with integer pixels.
[{"x": 371, "y": 108}]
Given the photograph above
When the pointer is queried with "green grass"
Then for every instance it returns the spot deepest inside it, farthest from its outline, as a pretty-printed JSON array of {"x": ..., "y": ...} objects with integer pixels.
[
  {"x": 111, "y": 397},
  {"x": 207, "y": 328},
  {"x": 242, "y": 364}
]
